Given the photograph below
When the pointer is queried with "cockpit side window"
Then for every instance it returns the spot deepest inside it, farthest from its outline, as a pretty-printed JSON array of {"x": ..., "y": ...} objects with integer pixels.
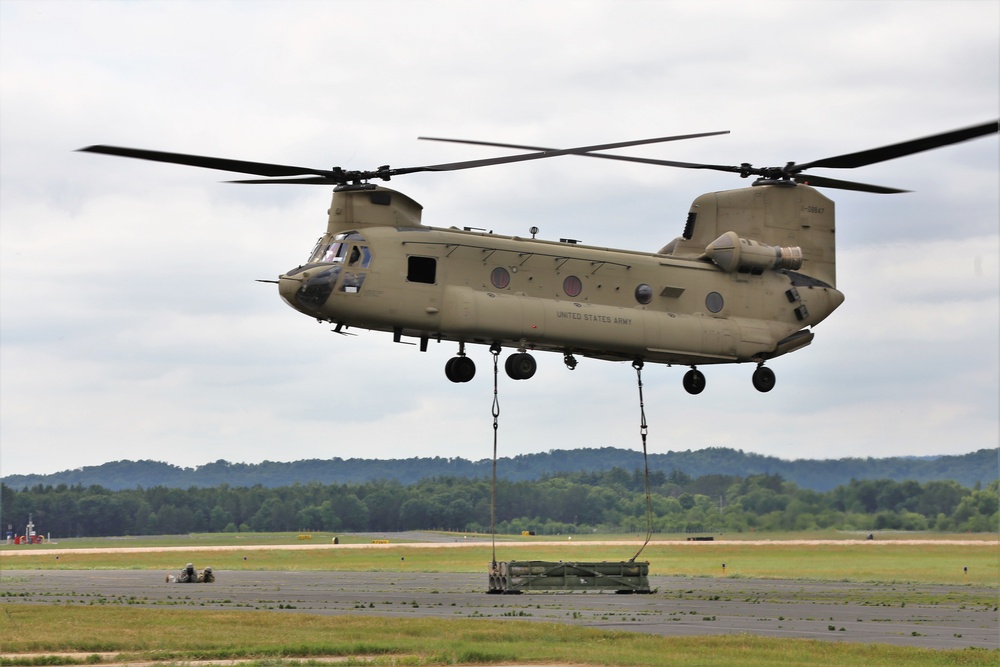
[{"x": 361, "y": 257}]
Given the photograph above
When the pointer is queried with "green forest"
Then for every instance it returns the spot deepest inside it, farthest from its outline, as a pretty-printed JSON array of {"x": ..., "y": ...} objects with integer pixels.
[
  {"x": 982, "y": 466},
  {"x": 612, "y": 501}
]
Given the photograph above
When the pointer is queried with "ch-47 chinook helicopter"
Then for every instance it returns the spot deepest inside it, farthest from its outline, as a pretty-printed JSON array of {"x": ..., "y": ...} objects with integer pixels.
[{"x": 752, "y": 273}]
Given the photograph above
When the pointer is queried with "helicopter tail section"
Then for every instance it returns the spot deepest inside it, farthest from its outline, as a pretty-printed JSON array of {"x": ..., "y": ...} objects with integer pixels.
[{"x": 793, "y": 224}]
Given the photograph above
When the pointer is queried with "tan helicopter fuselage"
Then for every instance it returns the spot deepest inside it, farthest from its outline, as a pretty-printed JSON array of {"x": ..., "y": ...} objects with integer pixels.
[{"x": 753, "y": 272}]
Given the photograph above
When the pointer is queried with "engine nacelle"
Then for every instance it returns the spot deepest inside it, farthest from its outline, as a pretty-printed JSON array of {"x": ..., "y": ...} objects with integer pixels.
[{"x": 732, "y": 253}]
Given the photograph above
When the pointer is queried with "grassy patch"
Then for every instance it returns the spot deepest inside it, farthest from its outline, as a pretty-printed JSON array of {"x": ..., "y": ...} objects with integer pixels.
[
  {"x": 884, "y": 561},
  {"x": 34, "y": 631}
]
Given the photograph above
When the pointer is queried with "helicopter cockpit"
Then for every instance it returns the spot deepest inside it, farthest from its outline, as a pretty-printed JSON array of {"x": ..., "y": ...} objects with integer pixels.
[{"x": 338, "y": 264}]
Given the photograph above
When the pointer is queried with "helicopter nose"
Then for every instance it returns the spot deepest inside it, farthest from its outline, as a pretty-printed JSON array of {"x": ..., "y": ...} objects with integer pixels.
[
  {"x": 287, "y": 288},
  {"x": 307, "y": 290}
]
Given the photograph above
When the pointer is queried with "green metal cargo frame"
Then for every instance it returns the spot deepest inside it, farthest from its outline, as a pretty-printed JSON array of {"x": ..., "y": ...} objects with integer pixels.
[{"x": 518, "y": 576}]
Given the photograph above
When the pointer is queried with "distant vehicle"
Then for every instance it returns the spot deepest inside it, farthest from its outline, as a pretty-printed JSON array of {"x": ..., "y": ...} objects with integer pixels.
[
  {"x": 29, "y": 537},
  {"x": 188, "y": 575}
]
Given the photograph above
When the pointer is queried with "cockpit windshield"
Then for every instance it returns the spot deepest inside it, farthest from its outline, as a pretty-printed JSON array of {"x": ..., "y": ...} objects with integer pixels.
[
  {"x": 334, "y": 251},
  {"x": 338, "y": 266}
]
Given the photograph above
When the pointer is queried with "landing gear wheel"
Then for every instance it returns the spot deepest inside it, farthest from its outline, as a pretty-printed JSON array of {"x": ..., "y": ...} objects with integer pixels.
[
  {"x": 763, "y": 379},
  {"x": 694, "y": 381},
  {"x": 460, "y": 369},
  {"x": 449, "y": 369},
  {"x": 520, "y": 366}
]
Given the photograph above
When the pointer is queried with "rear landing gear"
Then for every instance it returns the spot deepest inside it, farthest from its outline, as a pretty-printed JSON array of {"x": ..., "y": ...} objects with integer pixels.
[
  {"x": 763, "y": 379},
  {"x": 694, "y": 381}
]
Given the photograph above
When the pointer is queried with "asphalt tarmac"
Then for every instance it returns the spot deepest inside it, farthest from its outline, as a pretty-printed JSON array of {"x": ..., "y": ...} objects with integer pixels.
[{"x": 931, "y": 616}]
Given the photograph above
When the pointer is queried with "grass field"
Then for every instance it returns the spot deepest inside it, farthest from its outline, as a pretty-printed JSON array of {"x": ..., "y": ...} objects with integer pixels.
[
  {"x": 975, "y": 562},
  {"x": 270, "y": 638},
  {"x": 37, "y": 633}
]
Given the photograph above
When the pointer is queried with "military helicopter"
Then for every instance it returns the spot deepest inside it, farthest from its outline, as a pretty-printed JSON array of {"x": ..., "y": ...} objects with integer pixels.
[{"x": 750, "y": 276}]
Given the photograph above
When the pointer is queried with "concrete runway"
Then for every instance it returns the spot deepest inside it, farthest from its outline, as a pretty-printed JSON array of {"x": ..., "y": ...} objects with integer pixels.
[{"x": 931, "y": 616}]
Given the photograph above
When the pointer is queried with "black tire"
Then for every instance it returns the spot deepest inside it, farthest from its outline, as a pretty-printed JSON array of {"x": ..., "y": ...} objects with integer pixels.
[
  {"x": 508, "y": 366},
  {"x": 763, "y": 379},
  {"x": 464, "y": 369},
  {"x": 460, "y": 369},
  {"x": 694, "y": 381},
  {"x": 520, "y": 366}
]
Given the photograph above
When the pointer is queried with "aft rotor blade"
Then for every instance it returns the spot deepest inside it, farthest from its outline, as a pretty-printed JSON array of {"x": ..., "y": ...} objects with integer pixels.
[
  {"x": 873, "y": 155},
  {"x": 847, "y": 161},
  {"x": 222, "y": 164},
  {"x": 824, "y": 182}
]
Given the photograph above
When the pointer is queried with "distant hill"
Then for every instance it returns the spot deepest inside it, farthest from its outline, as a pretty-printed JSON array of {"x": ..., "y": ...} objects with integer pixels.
[{"x": 821, "y": 475}]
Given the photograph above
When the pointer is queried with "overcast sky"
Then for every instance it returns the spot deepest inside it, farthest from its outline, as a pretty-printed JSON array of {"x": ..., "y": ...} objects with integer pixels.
[{"x": 132, "y": 327}]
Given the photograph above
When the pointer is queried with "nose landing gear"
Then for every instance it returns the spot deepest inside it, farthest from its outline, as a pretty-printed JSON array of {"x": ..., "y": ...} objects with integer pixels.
[
  {"x": 460, "y": 368},
  {"x": 519, "y": 366}
]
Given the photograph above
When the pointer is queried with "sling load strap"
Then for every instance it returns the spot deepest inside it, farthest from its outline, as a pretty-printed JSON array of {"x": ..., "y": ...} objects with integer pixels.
[
  {"x": 643, "y": 430},
  {"x": 495, "y": 349}
]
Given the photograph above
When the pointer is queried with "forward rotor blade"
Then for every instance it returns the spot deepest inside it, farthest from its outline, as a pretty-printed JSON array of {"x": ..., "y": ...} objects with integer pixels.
[
  {"x": 520, "y": 147},
  {"x": 306, "y": 180},
  {"x": 588, "y": 151},
  {"x": 873, "y": 155},
  {"x": 544, "y": 153},
  {"x": 222, "y": 164},
  {"x": 585, "y": 149},
  {"x": 338, "y": 176}
]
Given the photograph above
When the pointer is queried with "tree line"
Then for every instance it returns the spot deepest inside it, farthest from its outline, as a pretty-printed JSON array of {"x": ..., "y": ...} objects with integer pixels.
[
  {"x": 567, "y": 503},
  {"x": 822, "y": 475}
]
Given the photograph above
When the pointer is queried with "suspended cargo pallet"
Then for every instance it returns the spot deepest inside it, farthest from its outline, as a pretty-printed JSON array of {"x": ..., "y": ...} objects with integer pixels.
[{"x": 517, "y": 576}]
